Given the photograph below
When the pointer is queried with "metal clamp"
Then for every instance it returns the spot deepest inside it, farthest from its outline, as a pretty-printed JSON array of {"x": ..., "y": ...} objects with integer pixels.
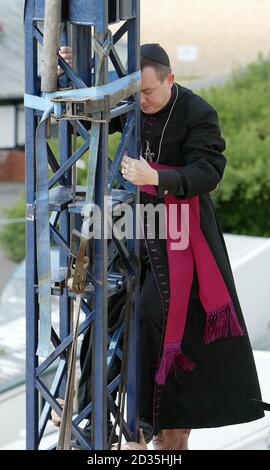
[
  {"x": 77, "y": 268},
  {"x": 78, "y": 109}
]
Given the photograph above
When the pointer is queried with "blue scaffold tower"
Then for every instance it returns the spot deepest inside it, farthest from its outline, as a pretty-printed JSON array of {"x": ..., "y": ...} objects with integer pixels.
[{"x": 76, "y": 270}]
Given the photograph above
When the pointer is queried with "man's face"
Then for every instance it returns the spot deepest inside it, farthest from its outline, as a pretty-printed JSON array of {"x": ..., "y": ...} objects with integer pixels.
[{"x": 154, "y": 93}]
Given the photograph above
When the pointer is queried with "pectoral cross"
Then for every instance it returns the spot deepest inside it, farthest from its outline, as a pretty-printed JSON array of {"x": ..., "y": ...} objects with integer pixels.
[{"x": 148, "y": 154}]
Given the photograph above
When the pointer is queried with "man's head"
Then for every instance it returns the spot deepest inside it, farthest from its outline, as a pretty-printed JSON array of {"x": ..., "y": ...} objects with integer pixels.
[{"x": 157, "y": 78}]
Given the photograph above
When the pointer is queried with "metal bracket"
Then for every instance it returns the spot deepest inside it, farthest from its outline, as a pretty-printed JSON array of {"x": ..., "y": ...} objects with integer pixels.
[
  {"x": 80, "y": 103},
  {"x": 77, "y": 110},
  {"x": 30, "y": 212},
  {"x": 77, "y": 268}
]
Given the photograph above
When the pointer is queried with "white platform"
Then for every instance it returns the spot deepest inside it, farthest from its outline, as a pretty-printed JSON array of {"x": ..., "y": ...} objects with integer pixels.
[
  {"x": 250, "y": 260},
  {"x": 247, "y": 436}
]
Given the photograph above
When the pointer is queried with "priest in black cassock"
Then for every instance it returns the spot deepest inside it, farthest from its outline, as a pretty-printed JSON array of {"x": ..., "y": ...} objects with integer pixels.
[
  {"x": 196, "y": 363},
  {"x": 197, "y": 366}
]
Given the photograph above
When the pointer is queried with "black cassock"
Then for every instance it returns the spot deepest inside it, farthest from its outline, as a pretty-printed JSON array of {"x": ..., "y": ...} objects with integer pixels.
[{"x": 223, "y": 388}]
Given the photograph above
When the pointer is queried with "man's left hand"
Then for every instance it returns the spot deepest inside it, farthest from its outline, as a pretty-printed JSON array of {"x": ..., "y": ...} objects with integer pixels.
[{"x": 138, "y": 172}]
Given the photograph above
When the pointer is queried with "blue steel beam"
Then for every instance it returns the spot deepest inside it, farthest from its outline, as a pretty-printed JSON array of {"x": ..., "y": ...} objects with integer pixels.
[
  {"x": 87, "y": 17},
  {"x": 65, "y": 150},
  {"x": 116, "y": 90},
  {"x": 134, "y": 149},
  {"x": 31, "y": 275},
  {"x": 99, "y": 413}
]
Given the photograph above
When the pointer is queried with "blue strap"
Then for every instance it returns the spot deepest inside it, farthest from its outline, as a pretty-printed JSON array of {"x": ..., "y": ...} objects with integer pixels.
[
  {"x": 103, "y": 52},
  {"x": 43, "y": 238}
]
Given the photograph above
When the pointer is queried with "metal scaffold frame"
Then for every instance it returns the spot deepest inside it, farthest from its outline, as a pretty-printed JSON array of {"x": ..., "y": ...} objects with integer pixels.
[{"x": 57, "y": 210}]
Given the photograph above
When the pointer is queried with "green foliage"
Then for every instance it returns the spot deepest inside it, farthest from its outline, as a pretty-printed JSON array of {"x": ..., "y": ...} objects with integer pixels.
[
  {"x": 12, "y": 236},
  {"x": 243, "y": 106}
]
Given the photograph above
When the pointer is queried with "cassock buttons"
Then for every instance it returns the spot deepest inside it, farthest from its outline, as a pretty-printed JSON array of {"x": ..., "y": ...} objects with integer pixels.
[{"x": 165, "y": 192}]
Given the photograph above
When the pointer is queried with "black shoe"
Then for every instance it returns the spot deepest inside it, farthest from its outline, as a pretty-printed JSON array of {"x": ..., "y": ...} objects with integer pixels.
[{"x": 147, "y": 430}]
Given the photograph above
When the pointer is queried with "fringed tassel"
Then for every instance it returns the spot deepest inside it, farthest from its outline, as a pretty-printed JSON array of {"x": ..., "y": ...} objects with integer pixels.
[
  {"x": 221, "y": 324},
  {"x": 172, "y": 356}
]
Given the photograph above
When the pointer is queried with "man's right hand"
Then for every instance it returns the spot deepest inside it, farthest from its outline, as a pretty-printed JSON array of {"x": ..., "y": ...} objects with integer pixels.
[
  {"x": 55, "y": 418},
  {"x": 66, "y": 53},
  {"x": 141, "y": 445}
]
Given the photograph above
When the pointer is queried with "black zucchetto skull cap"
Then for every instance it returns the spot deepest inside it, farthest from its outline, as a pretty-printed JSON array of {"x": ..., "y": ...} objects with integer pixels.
[{"x": 156, "y": 53}]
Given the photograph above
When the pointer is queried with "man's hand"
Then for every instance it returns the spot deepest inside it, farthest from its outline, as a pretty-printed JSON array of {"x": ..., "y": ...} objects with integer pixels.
[
  {"x": 66, "y": 53},
  {"x": 141, "y": 445},
  {"x": 55, "y": 418},
  {"x": 138, "y": 172}
]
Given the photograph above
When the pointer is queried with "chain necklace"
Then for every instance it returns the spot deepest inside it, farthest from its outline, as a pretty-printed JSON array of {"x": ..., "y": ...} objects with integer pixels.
[
  {"x": 148, "y": 154},
  {"x": 166, "y": 123}
]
